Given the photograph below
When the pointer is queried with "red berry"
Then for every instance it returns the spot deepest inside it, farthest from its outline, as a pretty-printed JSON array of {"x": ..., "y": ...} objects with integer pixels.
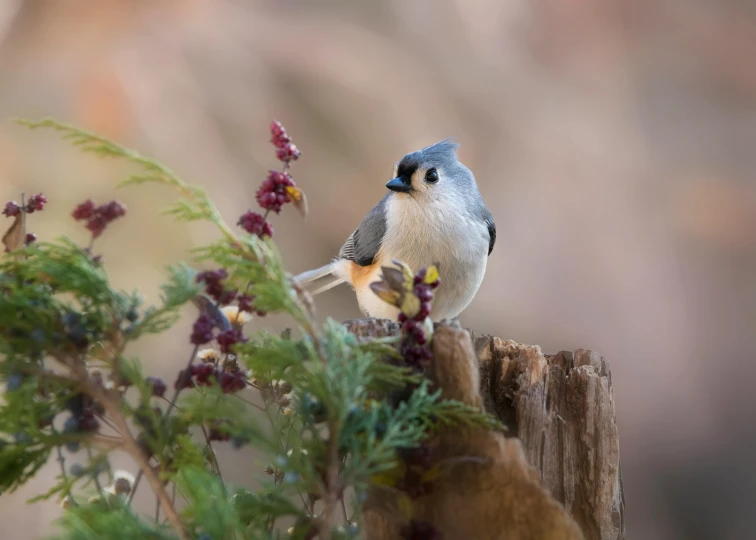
[
  {"x": 409, "y": 326},
  {"x": 184, "y": 380},
  {"x": 276, "y": 128},
  {"x": 402, "y": 317},
  {"x": 254, "y": 223},
  {"x": 229, "y": 338},
  {"x": 30, "y": 238},
  {"x": 84, "y": 210},
  {"x": 288, "y": 152},
  {"x": 423, "y": 293},
  {"x": 158, "y": 386},
  {"x": 96, "y": 224},
  {"x": 245, "y": 303},
  {"x": 36, "y": 203},
  {"x": 205, "y": 370},
  {"x": 424, "y": 311},
  {"x": 214, "y": 286},
  {"x": 279, "y": 137},
  {"x": 12, "y": 209},
  {"x": 112, "y": 210},
  {"x": 202, "y": 331},
  {"x": 272, "y": 194}
]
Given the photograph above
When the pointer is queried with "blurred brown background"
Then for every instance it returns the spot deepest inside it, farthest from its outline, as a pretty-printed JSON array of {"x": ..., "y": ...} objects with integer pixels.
[{"x": 614, "y": 141}]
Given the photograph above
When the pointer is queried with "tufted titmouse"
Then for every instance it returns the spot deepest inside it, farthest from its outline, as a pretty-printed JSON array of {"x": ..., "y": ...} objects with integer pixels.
[{"x": 433, "y": 214}]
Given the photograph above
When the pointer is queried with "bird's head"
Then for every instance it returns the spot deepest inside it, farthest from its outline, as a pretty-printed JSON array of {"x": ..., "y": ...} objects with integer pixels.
[{"x": 433, "y": 173}]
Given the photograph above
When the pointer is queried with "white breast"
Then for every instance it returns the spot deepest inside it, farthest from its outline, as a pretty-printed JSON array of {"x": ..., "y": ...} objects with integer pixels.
[{"x": 433, "y": 232}]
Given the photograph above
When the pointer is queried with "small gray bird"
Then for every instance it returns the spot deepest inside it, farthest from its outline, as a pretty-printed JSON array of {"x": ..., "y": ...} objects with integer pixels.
[{"x": 433, "y": 214}]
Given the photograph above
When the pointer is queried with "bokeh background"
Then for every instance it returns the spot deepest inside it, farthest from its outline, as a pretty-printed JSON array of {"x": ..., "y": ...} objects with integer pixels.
[{"x": 613, "y": 140}]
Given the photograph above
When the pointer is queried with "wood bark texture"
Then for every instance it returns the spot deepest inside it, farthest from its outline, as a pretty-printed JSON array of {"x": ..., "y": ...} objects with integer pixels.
[{"x": 553, "y": 475}]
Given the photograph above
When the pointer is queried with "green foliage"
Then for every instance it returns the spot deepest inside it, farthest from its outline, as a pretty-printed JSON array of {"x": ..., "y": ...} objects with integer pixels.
[
  {"x": 314, "y": 405},
  {"x": 178, "y": 291},
  {"x": 110, "y": 518},
  {"x": 210, "y": 509}
]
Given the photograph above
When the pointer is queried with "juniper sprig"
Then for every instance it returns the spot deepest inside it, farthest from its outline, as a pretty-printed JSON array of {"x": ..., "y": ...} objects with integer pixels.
[{"x": 315, "y": 400}]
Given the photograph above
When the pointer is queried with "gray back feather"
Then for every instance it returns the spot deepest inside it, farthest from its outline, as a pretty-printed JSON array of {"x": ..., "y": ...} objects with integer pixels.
[{"x": 363, "y": 244}]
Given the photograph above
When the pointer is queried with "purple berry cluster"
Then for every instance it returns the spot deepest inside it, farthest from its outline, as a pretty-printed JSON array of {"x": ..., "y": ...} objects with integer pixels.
[
  {"x": 36, "y": 203},
  {"x": 84, "y": 411},
  {"x": 223, "y": 296},
  {"x": 246, "y": 302},
  {"x": 272, "y": 194},
  {"x": 413, "y": 349},
  {"x": 207, "y": 374},
  {"x": 286, "y": 150},
  {"x": 214, "y": 287},
  {"x": 277, "y": 189},
  {"x": 202, "y": 333},
  {"x": 254, "y": 223},
  {"x": 158, "y": 386},
  {"x": 202, "y": 330},
  {"x": 98, "y": 217},
  {"x": 229, "y": 338}
]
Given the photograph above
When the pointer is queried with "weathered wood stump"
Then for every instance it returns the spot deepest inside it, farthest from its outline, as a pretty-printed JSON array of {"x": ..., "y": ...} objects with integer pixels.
[{"x": 554, "y": 474}]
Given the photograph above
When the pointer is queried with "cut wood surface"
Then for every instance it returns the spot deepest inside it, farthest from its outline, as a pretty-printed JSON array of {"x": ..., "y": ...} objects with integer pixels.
[{"x": 554, "y": 473}]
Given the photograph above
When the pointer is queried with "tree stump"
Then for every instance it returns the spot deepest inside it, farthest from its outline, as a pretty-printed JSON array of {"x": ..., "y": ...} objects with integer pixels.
[{"x": 555, "y": 472}]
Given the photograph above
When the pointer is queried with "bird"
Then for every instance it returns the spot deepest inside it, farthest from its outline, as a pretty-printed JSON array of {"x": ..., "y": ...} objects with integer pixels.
[{"x": 433, "y": 213}]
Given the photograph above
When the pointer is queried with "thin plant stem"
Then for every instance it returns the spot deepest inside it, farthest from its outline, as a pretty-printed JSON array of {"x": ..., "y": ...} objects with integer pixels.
[
  {"x": 215, "y": 456},
  {"x": 96, "y": 473},
  {"x": 108, "y": 423},
  {"x": 62, "y": 462},
  {"x": 134, "y": 488},
  {"x": 130, "y": 444},
  {"x": 173, "y": 498},
  {"x": 256, "y": 406},
  {"x": 185, "y": 374}
]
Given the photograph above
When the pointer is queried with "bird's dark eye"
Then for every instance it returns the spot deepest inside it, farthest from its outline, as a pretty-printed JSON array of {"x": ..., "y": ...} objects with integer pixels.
[{"x": 431, "y": 176}]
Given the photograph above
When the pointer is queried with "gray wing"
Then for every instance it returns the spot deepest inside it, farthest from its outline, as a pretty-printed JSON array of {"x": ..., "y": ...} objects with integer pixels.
[
  {"x": 363, "y": 244},
  {"x": 488, "y": 218}
]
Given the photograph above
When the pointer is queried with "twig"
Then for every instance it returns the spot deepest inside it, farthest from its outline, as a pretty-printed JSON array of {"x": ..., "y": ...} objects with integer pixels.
[
  {"x": 131, "y": 446},
  {"x": 134, "y": 488},
  {"x": 173, "y": 497},
  {"x": 215, "y": 456},
  {"x": 285, "y": 450},
  {"x": 181, "y": 386},
  {"x": 62, "y": 462},
  {"x": 256, "y": 406},
  {"x": 168, "y": 401},
  {"x": 107, "y": 422},
  {"x": 331, "y": 481},
  {"x": 96, "y": 473}
]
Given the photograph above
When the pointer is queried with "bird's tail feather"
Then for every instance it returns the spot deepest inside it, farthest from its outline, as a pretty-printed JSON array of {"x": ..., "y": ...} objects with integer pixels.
[
  {"x": 311, "y": 275},
  {"x": 324, "y": 288},
  {"x": 332, "y": 269}
]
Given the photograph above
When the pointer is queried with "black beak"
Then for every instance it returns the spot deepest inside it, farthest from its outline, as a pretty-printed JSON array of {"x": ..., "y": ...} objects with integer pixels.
[{"x": 400, "y": 185}]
